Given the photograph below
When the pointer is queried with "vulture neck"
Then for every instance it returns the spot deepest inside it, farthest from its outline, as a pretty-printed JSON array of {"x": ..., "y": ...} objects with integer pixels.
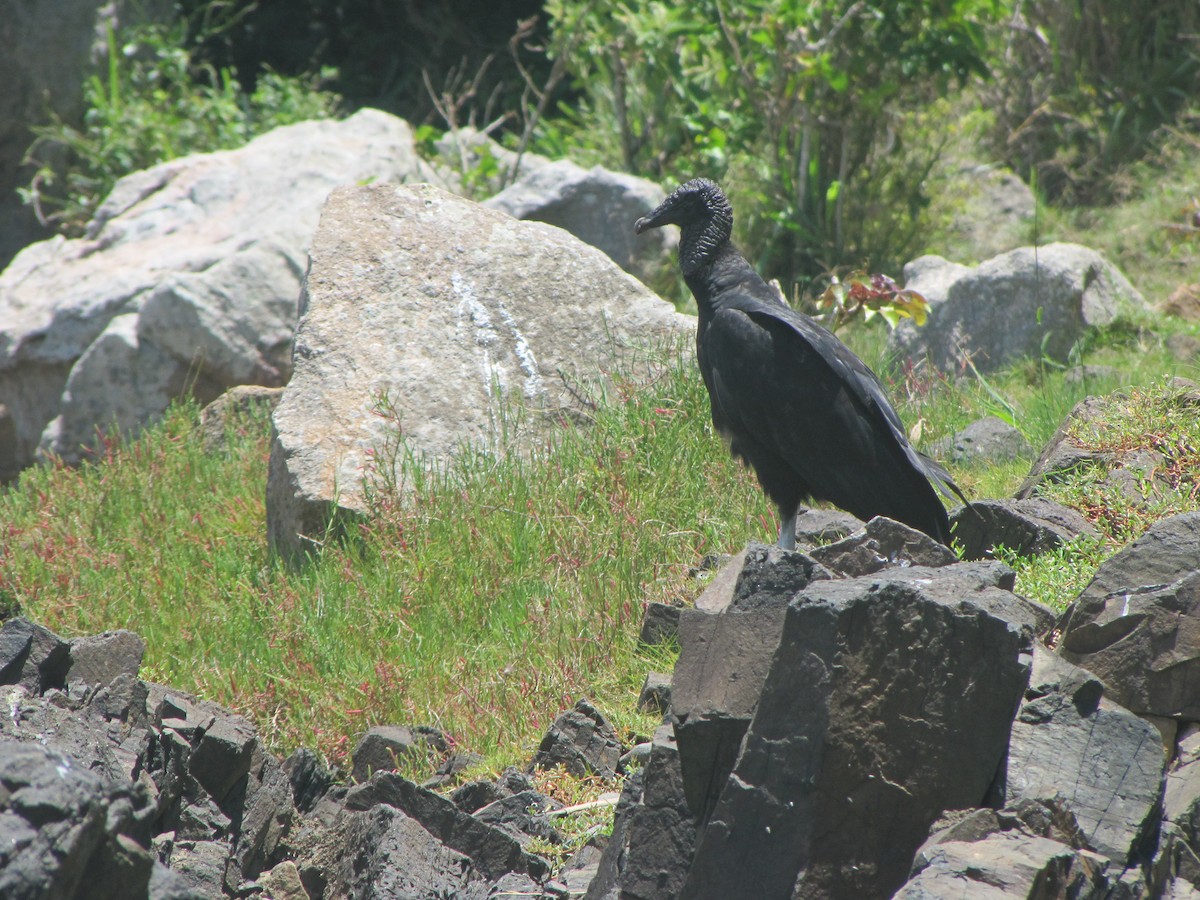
[{"x": 718, "y": 269}]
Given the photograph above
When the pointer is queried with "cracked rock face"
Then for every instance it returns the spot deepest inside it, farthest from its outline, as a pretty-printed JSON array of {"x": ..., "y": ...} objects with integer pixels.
[{"x": 112, "y": 787}]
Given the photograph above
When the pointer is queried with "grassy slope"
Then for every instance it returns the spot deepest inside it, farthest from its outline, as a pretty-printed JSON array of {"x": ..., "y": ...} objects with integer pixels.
[
  {"x": 505, "y": 589},
  {"x": 493, "y": 599}
]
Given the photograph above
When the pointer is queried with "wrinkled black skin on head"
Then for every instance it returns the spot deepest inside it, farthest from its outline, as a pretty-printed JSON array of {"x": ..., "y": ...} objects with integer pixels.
[
  {"x": 704, "y": 216},
  {"x": 794, "y": 402}
]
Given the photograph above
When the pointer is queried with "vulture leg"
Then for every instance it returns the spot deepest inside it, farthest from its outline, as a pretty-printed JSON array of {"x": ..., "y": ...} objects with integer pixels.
[{"x": 787, "y": 530}]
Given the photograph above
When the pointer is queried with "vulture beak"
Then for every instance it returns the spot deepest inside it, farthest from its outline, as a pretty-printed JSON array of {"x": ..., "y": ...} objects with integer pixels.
[{"x": 643, "y": 223}]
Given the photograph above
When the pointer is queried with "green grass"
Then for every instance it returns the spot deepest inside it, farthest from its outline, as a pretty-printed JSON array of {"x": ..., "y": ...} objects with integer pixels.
[
  {"x": 484, "y": 604},
  {"x": 1155, "y": 432}
]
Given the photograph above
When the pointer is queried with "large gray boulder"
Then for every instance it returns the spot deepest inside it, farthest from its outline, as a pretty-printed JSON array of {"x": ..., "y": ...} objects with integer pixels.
[
  {"x": 441, "y": 315},
  {"x": 187, "y": 279},
  {"x": 597, "y": 206},
  {"x": 1025, "y": 303}
]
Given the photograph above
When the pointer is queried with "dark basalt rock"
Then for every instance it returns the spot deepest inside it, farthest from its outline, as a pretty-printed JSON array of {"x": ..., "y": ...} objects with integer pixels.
[{"x": 1027, "y": 527}]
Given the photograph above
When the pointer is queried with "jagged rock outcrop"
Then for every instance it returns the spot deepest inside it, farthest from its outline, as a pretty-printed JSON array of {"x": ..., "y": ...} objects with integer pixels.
[
  {"x": 115, "y": 789},
  {"x": 1061, "y": 457},
  {"x": 852, "y": 735},
  {"x": 1027, "y": 527},
  {"x": 1136, "y": 473},
  {"x": 1136, "y": 625},
  {"x": 820, "y": 725},
  {"x": 1097, "y": 760},
  {"x": 829, "y": 795}
]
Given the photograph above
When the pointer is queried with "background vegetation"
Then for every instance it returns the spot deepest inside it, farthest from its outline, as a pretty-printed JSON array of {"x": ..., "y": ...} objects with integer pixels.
[
  {"x": 835, "y": 122},
  {"x": 498, "y": 592}
]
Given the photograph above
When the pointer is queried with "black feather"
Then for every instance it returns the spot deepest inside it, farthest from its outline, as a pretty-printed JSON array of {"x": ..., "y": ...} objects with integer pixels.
[{"x": 794, "y": 402}]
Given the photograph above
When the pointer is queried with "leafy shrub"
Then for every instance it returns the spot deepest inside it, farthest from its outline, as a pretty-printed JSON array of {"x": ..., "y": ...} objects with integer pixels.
[
  {"x": 156, "y": 101},
  {"x": 806, "y": 108},
  {"x": 1082, "y": 86}
]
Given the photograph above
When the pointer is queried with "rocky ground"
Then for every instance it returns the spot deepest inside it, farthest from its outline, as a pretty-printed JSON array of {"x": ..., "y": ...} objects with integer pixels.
[{"x": 872, "y": 717}]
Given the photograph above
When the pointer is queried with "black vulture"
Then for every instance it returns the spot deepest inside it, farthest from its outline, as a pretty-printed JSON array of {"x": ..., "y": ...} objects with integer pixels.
[{"x": 792, "y": 400}]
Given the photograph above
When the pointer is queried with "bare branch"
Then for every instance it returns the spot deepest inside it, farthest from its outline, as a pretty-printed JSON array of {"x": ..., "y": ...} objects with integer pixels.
[{"x": 558, "y": 71}]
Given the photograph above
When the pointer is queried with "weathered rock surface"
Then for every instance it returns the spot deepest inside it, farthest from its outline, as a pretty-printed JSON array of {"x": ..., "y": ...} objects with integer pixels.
[
  {"x": 384, "y": 747},
  {"x": 493, "y": 852},
  {"x": 1030, "y": 851},
  {"x": 1137, "y": 474},
  {"x": 524, "y": 815},
  {"x": 815, "y": 527},
  {"x": 655, "y": 695},
  {"x": 115, "y": 789},
  {"x": 235, "y": 405},
  {"x": 659, "y": 624},
  {"x": 1181, "y": 794},
  {"x": 725, "y": 649},
  {"x": 597, "y": 206},
  {"x": 67, "y": 832},
  {"x": 1095, "y": 759},
  {"x": 654, "y": 834},
  {"x": 829, "y": 797},
  {"x": 187, "y": 278},
  {"x": 1184, "y": 302},
  {"x": 1137, "y": 623},
  {"x": 453, "y": 313},
  {"x": 1027, "y": 527},
  {"x": 1062, "y": 455},
  {"x": 1024, "y": 303},
  {"x": 882, "y": 543},
  {"x": 100, "y": 658},
  {"x": 997, "y": 210},
  {"x": 581, "y": 741},
  {"x": 819, "y": 726},
  {"x": 32, "y": 656},
  {"x": 989, "y": 438}
]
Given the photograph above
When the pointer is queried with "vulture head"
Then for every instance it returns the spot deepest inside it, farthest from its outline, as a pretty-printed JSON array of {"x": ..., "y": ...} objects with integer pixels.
[{"x": 705, "y": 218}]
